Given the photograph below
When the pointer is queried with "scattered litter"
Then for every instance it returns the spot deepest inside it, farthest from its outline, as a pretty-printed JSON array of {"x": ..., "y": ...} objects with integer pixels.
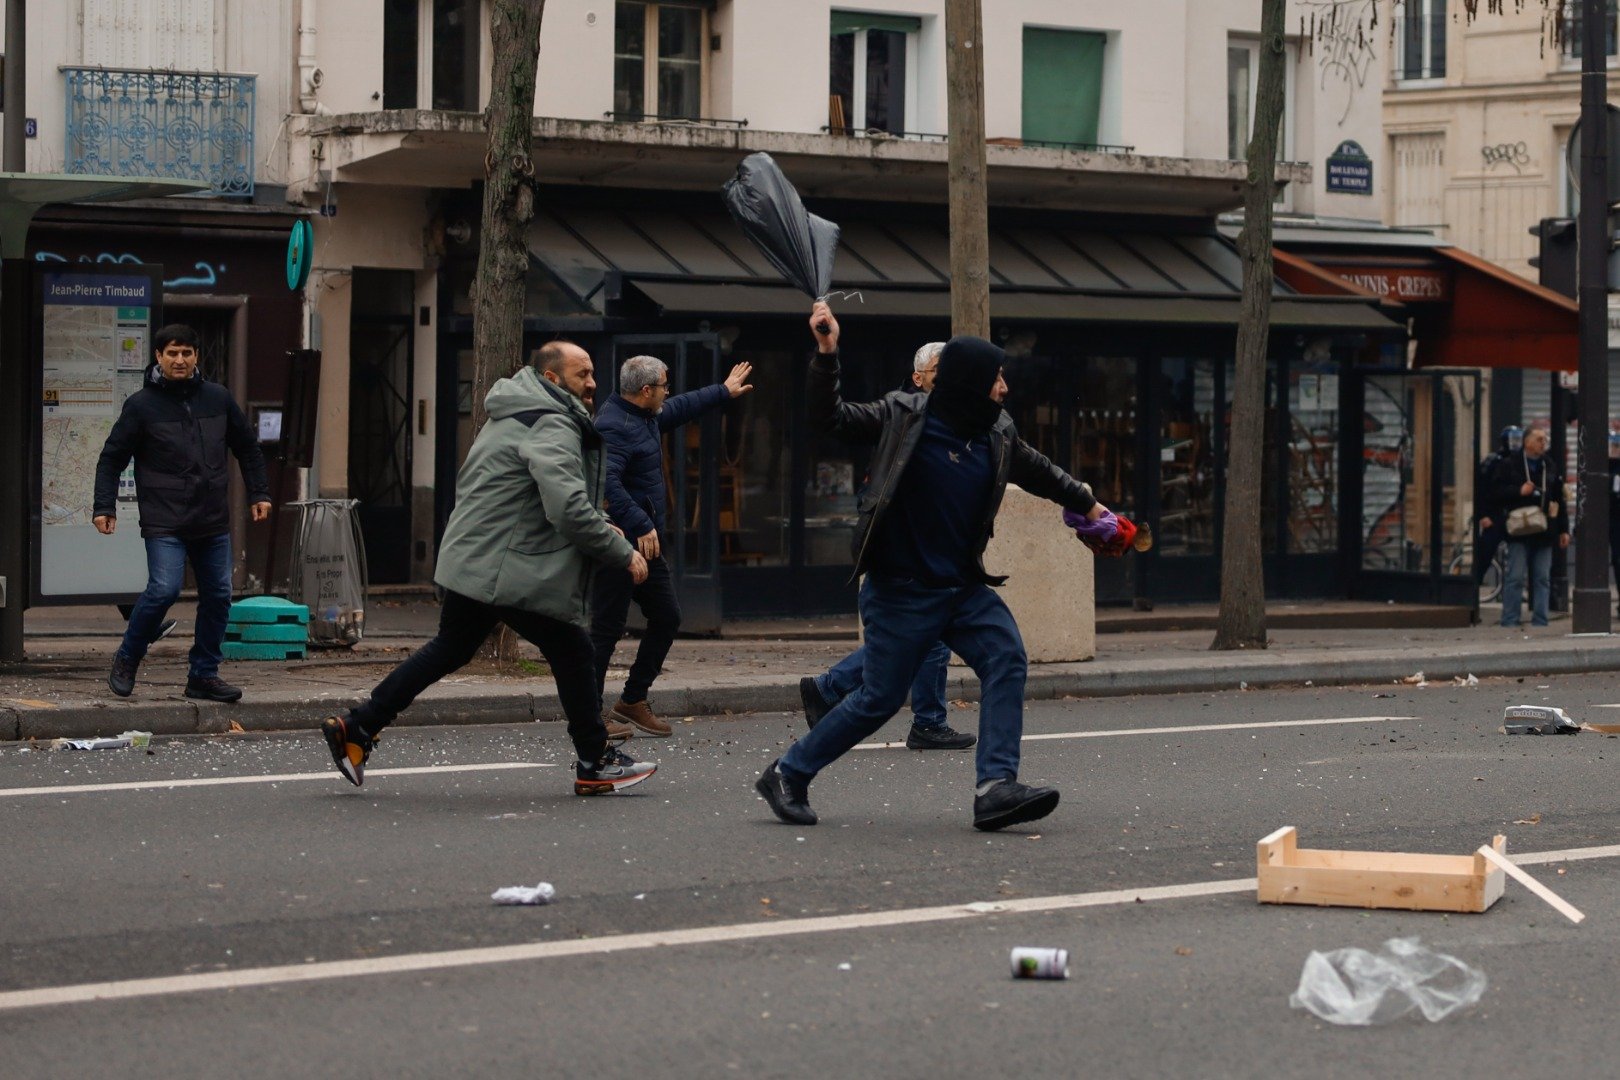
[
  {"x": 237, "y": 729},
  {"x": 542, "y": 893},
  {"x": 1537, "y": 720},
  {"x": 1559, "y": 904},
  {"x": 984, "y": 907},
  {"x": 1383, "y": 695},
  {"x": 1243, "y": 686},
  {"x": 1031, "y": 963},
  {"x": 639, "y": 896},
  {"x": 1533, "y": 819},
  {"x": 137, "y": 739},
  {"x": 1415, "y": 679},
  {"x": 1182, "y": 950},
  {"x": 1471, "y": 681},
  {"x": 845, "y": 966},
  {"x": 1357, "y": 987}
]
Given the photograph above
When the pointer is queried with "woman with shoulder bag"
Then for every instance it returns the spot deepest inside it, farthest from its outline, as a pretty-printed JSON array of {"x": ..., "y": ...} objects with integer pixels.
[{"x": 1529, "y": 489}]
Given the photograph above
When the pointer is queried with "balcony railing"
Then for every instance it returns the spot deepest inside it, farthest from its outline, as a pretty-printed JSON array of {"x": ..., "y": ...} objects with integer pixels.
[{"x": 190, "y": 125}]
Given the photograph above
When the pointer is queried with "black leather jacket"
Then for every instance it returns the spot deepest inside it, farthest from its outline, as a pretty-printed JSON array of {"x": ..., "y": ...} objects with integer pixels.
[{"x": 894, "y": 423}]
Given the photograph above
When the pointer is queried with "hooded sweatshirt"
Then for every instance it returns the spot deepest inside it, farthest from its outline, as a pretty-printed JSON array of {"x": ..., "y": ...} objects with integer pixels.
[{"x": 527, "y": 531}]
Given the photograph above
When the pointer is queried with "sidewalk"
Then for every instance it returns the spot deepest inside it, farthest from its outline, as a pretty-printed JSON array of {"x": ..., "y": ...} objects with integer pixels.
[{"x": 61, "y": 691}]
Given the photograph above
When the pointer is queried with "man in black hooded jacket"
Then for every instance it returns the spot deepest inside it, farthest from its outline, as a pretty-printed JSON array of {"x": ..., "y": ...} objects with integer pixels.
[
  {"x": 178, "y": 428},
  {"x": 941, "y": 464}
]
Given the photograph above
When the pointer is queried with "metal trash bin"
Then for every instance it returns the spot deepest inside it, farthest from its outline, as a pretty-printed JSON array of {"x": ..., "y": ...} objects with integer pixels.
[{"x": 328, "y": 573}]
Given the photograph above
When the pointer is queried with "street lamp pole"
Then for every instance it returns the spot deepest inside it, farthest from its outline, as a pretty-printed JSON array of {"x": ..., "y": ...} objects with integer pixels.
[
  {"x": 1591, "y": 606},
  {"x": 15, "y": 403}
]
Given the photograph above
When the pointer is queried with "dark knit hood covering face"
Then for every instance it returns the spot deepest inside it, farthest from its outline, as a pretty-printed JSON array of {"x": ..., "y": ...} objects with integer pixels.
[{"x": 961, "y": 398}]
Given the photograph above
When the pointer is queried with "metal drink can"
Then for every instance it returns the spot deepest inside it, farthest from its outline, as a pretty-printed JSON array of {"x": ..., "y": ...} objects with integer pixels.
[{"x": 1030, "y": 963}]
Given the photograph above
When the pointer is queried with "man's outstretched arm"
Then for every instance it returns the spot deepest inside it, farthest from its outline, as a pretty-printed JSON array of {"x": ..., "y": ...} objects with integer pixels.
[{"x": 825, "y": 406}]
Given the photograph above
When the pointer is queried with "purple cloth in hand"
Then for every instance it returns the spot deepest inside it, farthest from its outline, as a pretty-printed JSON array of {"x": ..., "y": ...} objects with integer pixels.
[{"x": 1101, "y": 531}]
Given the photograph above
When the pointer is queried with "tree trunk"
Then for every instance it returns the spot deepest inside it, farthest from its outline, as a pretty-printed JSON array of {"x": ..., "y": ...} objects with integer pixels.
[
  {"x": 1242, "y": 621},
  {"x": 503, "y": 254},
  {"x": 970, "y": 231}
]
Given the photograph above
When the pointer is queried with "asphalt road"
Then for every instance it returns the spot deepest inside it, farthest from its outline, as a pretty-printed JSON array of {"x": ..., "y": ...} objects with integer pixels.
[{"x": 302, "y": 927}]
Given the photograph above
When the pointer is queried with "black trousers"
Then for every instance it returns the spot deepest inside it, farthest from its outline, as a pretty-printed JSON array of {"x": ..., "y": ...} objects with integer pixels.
[
  {"x": 610, "y": 607},
  {"x": 464, "y": 623}
]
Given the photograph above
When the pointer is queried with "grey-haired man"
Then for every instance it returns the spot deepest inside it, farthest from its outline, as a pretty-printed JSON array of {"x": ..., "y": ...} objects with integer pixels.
[
  {"x": 929, "y": 729},
  {"x": 632, "y": 423}
]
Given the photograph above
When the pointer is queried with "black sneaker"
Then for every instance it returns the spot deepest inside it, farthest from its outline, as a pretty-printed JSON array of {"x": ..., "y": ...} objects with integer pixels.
[
  {"x": 789, "y": 800},
  {"x": 1008, "y": 803},
  {"x": 350, "y": 746},
  {"x": 212, "y": 688},
  {"x": 938, "y": 737},
  {"x": 815, "y": 706},
  {"x": 165, "y": 628},
  {"x": 615, "y": 771},
  {"x": 121, "y": 680}
]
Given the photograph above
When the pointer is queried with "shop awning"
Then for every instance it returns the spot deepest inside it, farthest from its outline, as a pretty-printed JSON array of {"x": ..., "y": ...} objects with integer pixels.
[
  {"x": 699, "y": 263},
  {"x": 705, "y": 298},
  {"x": 1465, "y": 310}
]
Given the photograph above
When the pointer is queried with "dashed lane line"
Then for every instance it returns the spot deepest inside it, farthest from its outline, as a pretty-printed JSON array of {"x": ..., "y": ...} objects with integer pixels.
[
  {"x": 273, "y": 778},
  {"x": 1178, "y": 730},
  {"x": 83, "y": 993}
]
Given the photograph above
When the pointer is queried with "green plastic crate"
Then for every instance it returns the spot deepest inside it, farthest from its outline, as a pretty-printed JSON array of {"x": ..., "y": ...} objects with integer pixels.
[
  {"x": 249, "y": 650},
  {"x": 266, "y": 633},
  {"x": 268, "y": 609}
]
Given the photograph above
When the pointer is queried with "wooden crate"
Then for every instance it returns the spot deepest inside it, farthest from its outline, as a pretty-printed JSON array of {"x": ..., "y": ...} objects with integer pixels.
[{"x": 1290, "y": 874}]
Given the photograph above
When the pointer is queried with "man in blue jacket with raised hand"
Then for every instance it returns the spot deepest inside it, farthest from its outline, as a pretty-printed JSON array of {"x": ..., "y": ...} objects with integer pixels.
[
  {"x": 632, "y": 423},
  {"x": 940, "y": 465},
  {"x": 179, "y": 427}
]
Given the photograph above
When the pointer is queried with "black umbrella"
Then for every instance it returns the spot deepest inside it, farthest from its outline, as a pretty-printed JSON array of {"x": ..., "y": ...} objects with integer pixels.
[{"x": 767, "y": 209}]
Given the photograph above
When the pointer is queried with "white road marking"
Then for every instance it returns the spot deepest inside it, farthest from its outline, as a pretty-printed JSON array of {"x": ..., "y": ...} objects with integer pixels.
[
  {"x": 273, "y": 778},
  {"x": 616, "y": 943},
  {"x": 1180, "y": 730}
]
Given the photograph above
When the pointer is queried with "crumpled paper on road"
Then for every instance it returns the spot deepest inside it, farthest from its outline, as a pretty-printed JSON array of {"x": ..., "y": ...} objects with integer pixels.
[
  {"x": 135, "y": 739},
  {"x": 542, "y": 893}
]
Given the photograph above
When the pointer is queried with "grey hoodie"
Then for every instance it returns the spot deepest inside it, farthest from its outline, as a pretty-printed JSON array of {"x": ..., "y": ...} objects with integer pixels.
[{"x": 528, "y": 525}]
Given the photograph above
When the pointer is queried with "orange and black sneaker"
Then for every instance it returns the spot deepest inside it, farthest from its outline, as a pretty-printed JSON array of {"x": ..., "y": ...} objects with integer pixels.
[
  {"x": 616, "y": 771},
  {"x": 350, "y": 746}
]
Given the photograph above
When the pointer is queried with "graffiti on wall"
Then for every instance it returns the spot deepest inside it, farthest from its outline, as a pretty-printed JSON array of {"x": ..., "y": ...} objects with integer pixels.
[
  {"x": 1516, "y": 155},
  {"x": 1342, "y": 40},
  {"x": 203, "y": 274}
]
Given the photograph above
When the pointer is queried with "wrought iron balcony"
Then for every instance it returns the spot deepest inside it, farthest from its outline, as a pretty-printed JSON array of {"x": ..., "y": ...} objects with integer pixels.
[{"x": 192, "y": 125}]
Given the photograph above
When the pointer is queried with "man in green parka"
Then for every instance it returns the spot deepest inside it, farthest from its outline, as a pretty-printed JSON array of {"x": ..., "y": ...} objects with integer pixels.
[{"x": 521, "y": 548}]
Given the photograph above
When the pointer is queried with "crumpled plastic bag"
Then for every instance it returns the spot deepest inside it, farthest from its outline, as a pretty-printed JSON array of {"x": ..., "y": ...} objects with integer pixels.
[
  {"x": 542, "y": 893},
  {"x": 1108, "y": 536},
  {"x": 1357, "y": 987}
]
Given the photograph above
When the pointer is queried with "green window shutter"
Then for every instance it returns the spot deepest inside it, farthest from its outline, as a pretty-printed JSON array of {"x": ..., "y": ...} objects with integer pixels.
[
  {"x": 847, "y": 22},
  {"x": 1062, "y": 84}
]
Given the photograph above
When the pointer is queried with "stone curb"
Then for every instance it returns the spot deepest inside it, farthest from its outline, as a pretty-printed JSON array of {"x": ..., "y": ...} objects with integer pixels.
[{"x": 179, "y": 716}]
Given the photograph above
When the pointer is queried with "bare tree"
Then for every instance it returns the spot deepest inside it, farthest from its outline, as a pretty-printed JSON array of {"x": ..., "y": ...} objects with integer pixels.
[
  {"x": 503, "y": 254},
  {"x": 1242, "y": 621}
]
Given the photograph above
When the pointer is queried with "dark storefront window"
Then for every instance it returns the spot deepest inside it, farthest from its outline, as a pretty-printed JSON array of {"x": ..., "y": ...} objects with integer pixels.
[
  {"x": 1313, "y": 461},
  {"x": 759, "y": 451},
  {"x": 1187, "y": 458},
  {"x": 1104, "y": 450}
]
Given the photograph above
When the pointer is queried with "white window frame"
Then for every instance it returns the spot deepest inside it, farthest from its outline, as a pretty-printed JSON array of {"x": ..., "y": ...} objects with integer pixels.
[
  {"x": 1398, "y": 57},
  {"x": 857, "y": 93},
  {"x": 1290, "y": 61},
  {"x": 649, "y": 60}
]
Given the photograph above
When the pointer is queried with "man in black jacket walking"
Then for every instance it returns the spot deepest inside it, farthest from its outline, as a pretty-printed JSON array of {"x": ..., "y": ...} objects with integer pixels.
[
  {"x": 178, "y": 427},
  {"x": 631, "y": 424},
  {"x": 939, "y": 468}
]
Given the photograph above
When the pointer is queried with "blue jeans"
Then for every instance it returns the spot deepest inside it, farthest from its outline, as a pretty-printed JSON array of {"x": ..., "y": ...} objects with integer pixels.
[
  {"x": 927, "y": 689},
  {"x": 1538, "y": 558},
  {"x": 165, "y": 572},
  {"x": 903, "y": 621}
]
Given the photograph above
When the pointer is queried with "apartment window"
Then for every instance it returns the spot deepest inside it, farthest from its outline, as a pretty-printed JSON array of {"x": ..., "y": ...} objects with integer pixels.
[
  {"x": 401, "y": 55},
  {"x": 872, "y": 85},
  {"x": 1242, "y": 79},
  {"x": 456, "y": 67},
  {"x": 658, "y": 58},
  {"x": 1573, "y": 28},
  {"x": 1421, "y": 50},
  {"x": 1063, "y": 75}
]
